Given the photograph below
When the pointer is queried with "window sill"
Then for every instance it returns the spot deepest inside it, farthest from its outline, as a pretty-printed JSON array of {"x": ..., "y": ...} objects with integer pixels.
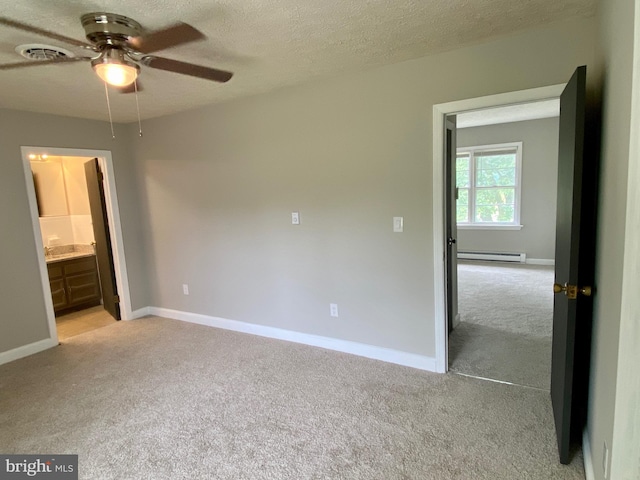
[{"x": 489, "y": 227}]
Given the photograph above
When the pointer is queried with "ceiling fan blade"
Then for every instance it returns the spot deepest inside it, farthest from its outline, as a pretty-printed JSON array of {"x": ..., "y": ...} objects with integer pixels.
[
  {"x": 186, "y": 68},
  {"x": 35, "y": 63},
  {"x": 171, "y": 36},
  {"x": 45, "y": 33}
]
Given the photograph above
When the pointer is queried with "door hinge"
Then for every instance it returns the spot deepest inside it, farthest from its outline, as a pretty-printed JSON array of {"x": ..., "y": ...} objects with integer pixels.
[
  {"x": 116, "y": 298},
  {"x": 100, "y": 176}
]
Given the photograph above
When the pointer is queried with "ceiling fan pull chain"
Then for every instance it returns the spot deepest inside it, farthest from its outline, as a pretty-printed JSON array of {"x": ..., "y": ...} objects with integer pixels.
[
  {"x": 106, "y": 92},
  {"x": 135, "y": 87}
]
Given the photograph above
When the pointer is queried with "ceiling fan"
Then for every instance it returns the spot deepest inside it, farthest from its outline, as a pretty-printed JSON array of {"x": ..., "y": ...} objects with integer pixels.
[{"x": 121, "y": 45}]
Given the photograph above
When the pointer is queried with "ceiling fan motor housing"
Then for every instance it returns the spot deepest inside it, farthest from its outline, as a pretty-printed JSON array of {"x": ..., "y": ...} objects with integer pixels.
[
  {"x": 112, "y": 55},
  {"x": 104, "y": 29}
]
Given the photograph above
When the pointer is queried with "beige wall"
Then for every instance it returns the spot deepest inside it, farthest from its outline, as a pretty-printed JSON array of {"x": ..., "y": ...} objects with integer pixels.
[
  {"x": 63, "y": 200},
  {"x": 61, "y": 186},
  {"x": 539, "y": 171},
  {"x": 616, "y": 38},
  {"x": 21, "y": 296},
  {"x": 76, "y": 185},
  {"x": 348, "y": 153},
  {"x": 50, "y": 188},
  {"x": 625, "y": 460}
]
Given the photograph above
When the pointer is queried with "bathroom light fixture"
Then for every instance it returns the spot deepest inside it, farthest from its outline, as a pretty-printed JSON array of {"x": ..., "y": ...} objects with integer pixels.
[
  {"x": 42, "y": 157},
  {"x": 113, "y": 67}
]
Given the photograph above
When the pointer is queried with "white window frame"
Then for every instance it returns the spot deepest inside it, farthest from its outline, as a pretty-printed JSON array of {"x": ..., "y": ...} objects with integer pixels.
[{"x": 515, "y": 225}]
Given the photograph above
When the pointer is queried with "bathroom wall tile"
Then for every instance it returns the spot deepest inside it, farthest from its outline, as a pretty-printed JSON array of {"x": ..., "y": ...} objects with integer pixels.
[
  {"x": 56, "y": 231},
  {"x": 82, "y": 229}
]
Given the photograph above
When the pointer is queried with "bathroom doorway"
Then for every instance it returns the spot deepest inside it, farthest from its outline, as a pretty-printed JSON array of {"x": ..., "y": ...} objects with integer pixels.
[{"x": 82, "y": 291}]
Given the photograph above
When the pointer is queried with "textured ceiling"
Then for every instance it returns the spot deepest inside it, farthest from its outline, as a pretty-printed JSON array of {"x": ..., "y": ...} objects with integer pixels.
[{"x": 267, "y": 43}]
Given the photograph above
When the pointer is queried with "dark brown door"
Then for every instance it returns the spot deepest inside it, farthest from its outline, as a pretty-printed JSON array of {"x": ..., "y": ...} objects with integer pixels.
[
  {"x": 574, "y": 263},
  {"x": 104, "y": 254},
  {"x": 451, "y": 225}
]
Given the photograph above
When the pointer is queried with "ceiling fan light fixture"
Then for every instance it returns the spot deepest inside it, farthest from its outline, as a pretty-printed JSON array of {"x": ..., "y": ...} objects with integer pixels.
[
  {"x": 113, "y": 68},
  {"x": 116, "y": 74}
]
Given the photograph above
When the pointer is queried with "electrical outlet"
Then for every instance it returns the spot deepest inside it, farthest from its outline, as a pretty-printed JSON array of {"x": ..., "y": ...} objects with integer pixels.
[
  {"x": 605, "y": 461},
  {"x": 333, "y": 309},
  {"x": 295, "y": 218},
  {"x": 185, "y": 289}
]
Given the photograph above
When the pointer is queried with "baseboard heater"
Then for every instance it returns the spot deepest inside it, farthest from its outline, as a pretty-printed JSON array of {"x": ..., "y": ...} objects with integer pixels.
[{"x": 494, "y": 256}]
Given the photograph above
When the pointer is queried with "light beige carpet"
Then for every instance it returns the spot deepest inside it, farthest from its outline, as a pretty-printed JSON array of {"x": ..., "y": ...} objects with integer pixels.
[
  {"x": 506, "y": 313},
  {"x": 162, "y": 399}
]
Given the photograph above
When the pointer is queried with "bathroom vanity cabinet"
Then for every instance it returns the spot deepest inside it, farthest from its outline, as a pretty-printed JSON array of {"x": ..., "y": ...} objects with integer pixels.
[{"x": 74, "y": 283}]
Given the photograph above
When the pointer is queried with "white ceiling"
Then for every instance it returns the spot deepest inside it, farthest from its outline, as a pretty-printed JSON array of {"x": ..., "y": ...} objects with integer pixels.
[
  {"x": 510, "y": 113},
  {"x": 266, "y": 43}
]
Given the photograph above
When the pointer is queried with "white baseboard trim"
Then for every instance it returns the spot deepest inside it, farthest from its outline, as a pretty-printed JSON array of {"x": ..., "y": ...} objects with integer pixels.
[
  {"x": 540, "y": 261},
  {"x": 26, "y": 350},
  {"x": 588, "y": 458},
  {"x": 363, "y": 350},
  {"x": 141, "y": 312}
]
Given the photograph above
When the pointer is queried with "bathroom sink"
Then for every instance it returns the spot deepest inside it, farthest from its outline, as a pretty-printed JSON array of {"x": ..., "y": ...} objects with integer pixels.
[
  {"x": 57, "y": 254},
  {"x": 65, "y": 256}
]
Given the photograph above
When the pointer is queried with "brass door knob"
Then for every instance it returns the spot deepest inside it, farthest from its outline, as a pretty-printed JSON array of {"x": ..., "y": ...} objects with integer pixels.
[
  {"x": 571, "y": 291},
  {"x": 586, "y": 291}
]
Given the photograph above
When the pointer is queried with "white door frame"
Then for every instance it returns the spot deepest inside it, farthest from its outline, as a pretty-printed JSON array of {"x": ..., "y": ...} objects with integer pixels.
[
  {"x": 440, "y": 111},
  {"x": 115, "y": 229}
]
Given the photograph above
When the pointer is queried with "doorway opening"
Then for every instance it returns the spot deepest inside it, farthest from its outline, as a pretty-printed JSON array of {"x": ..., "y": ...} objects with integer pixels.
[
  {"x": 77, "y": 229},
  {"x": 503, "y": 202},
  {"x": 445, "y": 232}
]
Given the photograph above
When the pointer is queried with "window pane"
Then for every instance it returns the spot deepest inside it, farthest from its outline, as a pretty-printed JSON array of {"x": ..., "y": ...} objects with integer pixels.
[
  {"x": 495, "y": 169},
  {"x": 462, "y": 178},
  {"x": 495, "y": 177},
  {"x": 462, "y": 206},
  {"x": 494, "y": 213},
  {"x": 462, "y": 161},
  {"x": 462, "y": 171},
  {"x": 495, "y": 205},
  {"x": 506, "y": 213},
  {"x": 507, "y": 160},
  {"x": 462, "y": 214},
  {"x": 463, "y": 196},
  {"x": 486, "y": 213},
  {"x": 495, "y": 196}
]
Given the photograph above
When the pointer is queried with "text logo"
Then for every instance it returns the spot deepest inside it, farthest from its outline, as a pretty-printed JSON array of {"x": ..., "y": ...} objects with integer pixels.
[{"x": 50, "y": 467}]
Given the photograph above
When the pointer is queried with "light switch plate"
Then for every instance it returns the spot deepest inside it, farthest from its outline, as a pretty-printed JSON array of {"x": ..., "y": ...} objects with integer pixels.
[
  {"x": 398, "y": 224},
  {"x": 295, "y": 218}
]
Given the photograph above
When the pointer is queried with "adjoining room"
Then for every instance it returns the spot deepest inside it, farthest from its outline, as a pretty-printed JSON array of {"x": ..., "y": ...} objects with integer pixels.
[{"x": 506, "y": 165}]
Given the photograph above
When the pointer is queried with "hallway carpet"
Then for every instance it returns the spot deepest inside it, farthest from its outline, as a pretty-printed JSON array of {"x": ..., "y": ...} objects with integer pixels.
[
  {"x": 162, "y": 399},
  {"x": 505, "y": 332}
]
